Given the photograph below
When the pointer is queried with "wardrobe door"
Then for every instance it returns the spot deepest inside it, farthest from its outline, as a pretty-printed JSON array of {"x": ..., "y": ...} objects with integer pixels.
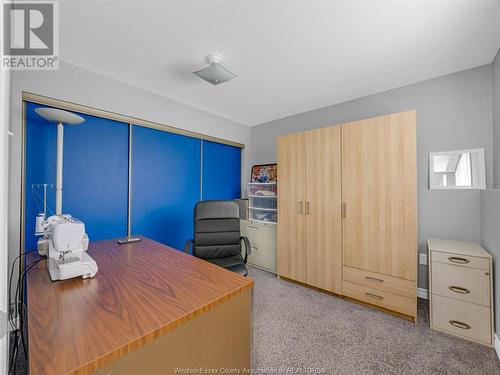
[
  {"x": 379, "y": 192},
  {"x": 291, "y": 207},
  {"x": 323, "y": 208}
]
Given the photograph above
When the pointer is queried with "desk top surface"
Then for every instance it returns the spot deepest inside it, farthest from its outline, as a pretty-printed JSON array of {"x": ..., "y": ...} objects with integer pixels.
[{"x": 141, "y": 291}]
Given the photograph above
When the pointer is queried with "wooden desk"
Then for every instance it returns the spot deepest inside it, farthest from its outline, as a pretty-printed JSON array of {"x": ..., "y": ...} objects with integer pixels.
[{"x": 148, "y": 310}]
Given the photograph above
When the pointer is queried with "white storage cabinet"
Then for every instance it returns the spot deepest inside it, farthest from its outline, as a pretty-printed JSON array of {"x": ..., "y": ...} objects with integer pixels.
[{"x": 461, "y": 290}]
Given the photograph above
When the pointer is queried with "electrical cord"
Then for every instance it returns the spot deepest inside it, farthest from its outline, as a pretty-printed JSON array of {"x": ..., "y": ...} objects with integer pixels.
[
  {"x": 22, "y": 307},
  {"x": 13, "y": 313},
  {"x": 15, "y": 349},
  {"x": 19, "y": 311},
  {"x": 11, "y": 316},
  {"x": 19, "y": 334}
]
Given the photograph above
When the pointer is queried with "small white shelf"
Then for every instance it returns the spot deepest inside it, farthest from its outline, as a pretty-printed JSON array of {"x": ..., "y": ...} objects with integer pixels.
[
  {"x": 262, "y": 196},
  {"x": 263, "y": 209}
]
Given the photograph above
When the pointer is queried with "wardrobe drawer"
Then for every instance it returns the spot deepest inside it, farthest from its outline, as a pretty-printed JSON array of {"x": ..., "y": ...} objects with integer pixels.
[
  {"x": 404, "y": 305},
  {"x": 465, "y": 284},
  {"x": 460, "y": 260},
  {"x": 394, "y": 285},
  {"x": 461, "y": 318}
]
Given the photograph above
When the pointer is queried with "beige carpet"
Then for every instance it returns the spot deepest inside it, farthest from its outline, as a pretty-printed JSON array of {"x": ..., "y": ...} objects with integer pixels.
[{"x": 298, "y": 331}]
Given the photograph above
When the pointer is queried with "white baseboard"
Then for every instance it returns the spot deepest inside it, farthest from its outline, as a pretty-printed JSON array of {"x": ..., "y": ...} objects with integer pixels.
[
  {"x": 497, "y": 346},
  {"x": 422, "y": 293}
]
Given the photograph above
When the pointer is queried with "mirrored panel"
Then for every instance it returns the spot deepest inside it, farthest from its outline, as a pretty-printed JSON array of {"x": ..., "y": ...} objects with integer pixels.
[{"x": 460, "y": 169}]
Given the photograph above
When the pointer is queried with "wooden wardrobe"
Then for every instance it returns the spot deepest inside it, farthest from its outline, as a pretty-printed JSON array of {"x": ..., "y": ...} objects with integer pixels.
[{"x": 347, "y": 215}]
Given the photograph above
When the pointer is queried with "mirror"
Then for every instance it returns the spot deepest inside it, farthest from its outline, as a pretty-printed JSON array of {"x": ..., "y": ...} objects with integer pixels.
[{"x": 461, "y": 169}]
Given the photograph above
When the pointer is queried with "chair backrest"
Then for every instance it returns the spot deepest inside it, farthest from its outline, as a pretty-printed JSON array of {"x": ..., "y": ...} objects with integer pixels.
[{"x": 216, "y": 229}]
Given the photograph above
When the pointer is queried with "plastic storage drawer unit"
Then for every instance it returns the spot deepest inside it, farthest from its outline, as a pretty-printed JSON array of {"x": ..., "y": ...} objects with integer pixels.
[
  {"x": 263, "y": 215},
  {"x": 262, "y": 189},
  {"x": 263, "y": 202}
]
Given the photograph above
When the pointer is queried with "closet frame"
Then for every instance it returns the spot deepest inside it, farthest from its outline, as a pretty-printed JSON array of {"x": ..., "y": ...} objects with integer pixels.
[{"x": 87, "y": 110}]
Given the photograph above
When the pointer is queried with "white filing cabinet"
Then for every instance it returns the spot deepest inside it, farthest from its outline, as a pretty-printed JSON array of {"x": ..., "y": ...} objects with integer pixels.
[
  {"x": 262, "y": 238},
  {"x": 461, "y": 290}
]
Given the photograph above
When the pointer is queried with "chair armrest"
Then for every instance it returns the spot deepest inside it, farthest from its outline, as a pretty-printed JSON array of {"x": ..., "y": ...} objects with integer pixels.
[
  {"x": 187, "y": 246},
  {"x": 248, "y": 249}
]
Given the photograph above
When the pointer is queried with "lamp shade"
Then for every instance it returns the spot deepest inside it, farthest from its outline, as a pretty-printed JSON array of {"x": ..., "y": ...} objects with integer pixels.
[{"x": 215, "y": 74}]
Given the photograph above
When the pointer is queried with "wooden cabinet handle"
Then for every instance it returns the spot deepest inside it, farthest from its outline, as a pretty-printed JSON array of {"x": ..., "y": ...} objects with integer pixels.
[
  {"x": 458, "y": 289},
  {"x": 344, "y": 209},
  {"x": 301, "y": 204},
  {"x": 308, "y": 208},
  {"x": 374, "y": 279},
  {"x": 460, "y": 325},
  {"x": 459, "y": 260},
  {"x": 373, "y": 295}
]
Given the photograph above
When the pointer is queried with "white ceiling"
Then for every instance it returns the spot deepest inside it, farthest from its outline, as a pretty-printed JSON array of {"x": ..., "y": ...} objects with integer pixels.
[{"x": 290, "y": 56}]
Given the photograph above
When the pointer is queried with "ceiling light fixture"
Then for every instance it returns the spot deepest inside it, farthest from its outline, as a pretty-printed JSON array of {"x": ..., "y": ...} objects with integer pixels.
[{"x": 215, "y": 73}]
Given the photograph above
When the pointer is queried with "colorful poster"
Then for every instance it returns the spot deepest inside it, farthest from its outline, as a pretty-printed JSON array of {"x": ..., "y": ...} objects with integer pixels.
[{"x": 264, "y": 173}]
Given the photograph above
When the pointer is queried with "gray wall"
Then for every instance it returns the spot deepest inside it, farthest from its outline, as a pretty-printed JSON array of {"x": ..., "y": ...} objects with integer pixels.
[
  {"x": 496, "y": 120},
  {"x": 81, "y": 86},
  {"x": 490, "y": 199},
  {"x": 490, "y": 239},
  {"x": 453, "y": 112}
]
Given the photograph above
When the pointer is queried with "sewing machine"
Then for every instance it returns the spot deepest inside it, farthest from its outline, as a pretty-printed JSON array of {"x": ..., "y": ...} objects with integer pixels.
[
  {"x": 63, "y": 240},
  {"x": 66, "y": 244}
]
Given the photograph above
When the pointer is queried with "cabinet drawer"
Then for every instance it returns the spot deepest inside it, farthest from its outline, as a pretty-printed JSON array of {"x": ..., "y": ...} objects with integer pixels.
[
  {"x": 461, "y": 318},
  {"x": 404, "y": 305},
  {"x": 263, "y": 257},
  {"x": 465, "y": 284},
  {"x": 460, "y": 260},
  {"x": 394, "y": 285},
  {"x": 260, "y": 235}
]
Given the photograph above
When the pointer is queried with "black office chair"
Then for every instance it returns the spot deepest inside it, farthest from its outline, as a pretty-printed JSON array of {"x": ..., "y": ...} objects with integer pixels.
[{"x": 217, "y": 237}]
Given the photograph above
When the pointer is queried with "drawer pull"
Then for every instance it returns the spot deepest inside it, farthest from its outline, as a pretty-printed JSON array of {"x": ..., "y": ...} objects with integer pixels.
[
  {"x": 252, "y": 227},
  {"x": 458, "y": 289},
  {"x": 373, "y": 295},
  {"x": 374, "y": 279},
  {"x": 459, "y": 260},
  {"x": 254, "y": 248},
  {"x": 460, "y": 325}
]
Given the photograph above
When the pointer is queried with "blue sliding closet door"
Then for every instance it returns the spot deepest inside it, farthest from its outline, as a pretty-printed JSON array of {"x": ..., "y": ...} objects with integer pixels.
[
  {"x": 166, "y": 172},
  {"x": 221, "y": 171},
  {"x": 95, "y": 174}
]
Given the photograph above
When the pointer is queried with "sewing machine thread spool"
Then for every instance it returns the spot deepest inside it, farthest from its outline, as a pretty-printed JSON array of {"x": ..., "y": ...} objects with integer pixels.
[{"x": 40, "y": 218}]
